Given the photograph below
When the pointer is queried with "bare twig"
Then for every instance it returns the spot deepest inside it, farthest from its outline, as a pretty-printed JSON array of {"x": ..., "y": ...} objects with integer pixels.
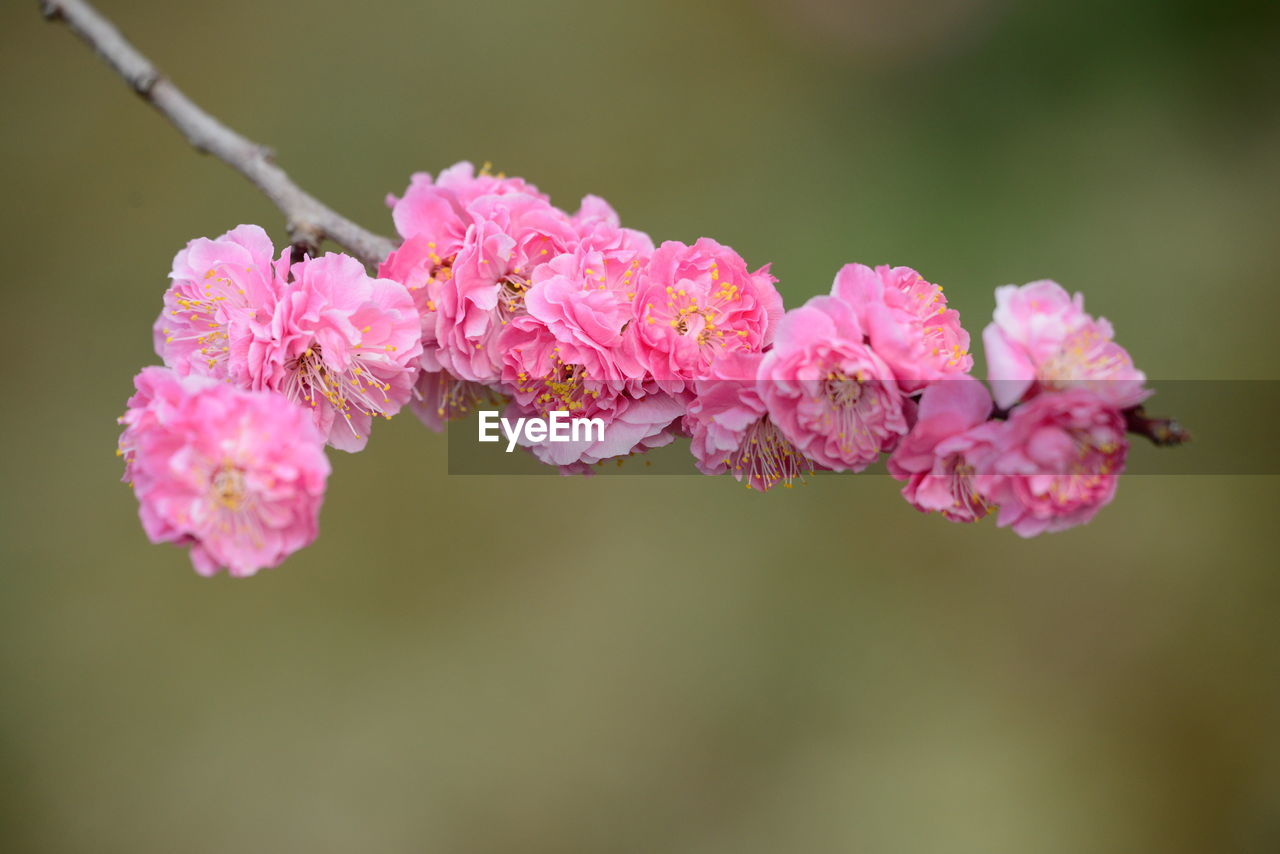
[
  {"x": 309, "y": 221},
  {"x": 1162, "y": 431}
]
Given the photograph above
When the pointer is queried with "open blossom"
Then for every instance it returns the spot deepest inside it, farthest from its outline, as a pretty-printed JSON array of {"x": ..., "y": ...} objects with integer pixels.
[
  {"x": 433, "y": 219},
  {"x": 731, "y": 430},
  {"x": 217, "y": 287},
  {"x": 238, "y": 476},
  {"x": 339, "y": 342},
  {"x": 572, "y": 346},
  {"x": 1057, "y": 462},
  {"x": 508, "y": 237},
  {"x": 574, "y": 351},
  {"x": 829, "y": 393},
  {"x": 437, "y": 208},
  {"x": 946, "y": 448},
  {"x": 907, "y": 323},
  {"x": 696, "y": 302},
  {"x": 436, "y": 218},
  {"x": 1041, "y": 337}
]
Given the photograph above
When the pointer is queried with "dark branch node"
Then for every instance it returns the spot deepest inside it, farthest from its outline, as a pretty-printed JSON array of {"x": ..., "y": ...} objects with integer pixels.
[{"x": 1163, "y": 431}]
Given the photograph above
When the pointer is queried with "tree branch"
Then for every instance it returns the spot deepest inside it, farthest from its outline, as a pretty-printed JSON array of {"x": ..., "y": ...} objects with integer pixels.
[
  {"x": 1164, "y": 432},
  {"x": 308, "y": 220}
]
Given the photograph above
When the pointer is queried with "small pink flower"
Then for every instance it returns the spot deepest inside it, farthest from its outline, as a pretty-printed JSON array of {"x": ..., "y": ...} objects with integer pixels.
[
  {"x": 907, "y": 323},
  {"x": 1041, "y": 337},
  {"x": 829, "y": 393},
  {"x": 575, "y": 349},
  {"x": 508, "y": 237},
  {"x": 342, "y": 343},
  {"x": 946, "y": 448},
  {"x": 433, "y": 217},
  {"x": 731, "y": 430},
  {"x": 238, "y": 476},
  {"x": 574, "y": 352},
  {"x": 1056, "y": 463},
  {"x": 218, "y": 286},
  {"x": 694, "y": 303},
  {"x": 584, "y": 300}
]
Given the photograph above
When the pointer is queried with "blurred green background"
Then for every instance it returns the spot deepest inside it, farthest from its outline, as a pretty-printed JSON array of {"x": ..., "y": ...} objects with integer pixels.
[{"x": 535, "y": 665}]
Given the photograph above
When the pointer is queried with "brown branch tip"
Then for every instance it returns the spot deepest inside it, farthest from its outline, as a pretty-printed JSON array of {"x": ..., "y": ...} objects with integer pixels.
[{"x": 1163, "y": 431}]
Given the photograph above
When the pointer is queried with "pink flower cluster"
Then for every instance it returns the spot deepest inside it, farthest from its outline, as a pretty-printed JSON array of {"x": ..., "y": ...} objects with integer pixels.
[
  {"x": 1050, "y": 458},
  {"x": 554, "y": 311},
  {"x": 320, "y": 331},
  {"x": 497, "y": 297}
]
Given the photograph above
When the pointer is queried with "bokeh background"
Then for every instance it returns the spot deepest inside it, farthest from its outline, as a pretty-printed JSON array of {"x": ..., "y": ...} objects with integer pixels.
[{"x": 535, "y": 665}]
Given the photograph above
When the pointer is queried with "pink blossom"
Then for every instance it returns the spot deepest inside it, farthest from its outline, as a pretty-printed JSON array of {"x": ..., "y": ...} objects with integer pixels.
[
  {"x": 508, "y": 237},
  {"x": 829, "y": 393},
  {"x": 574, "y": 351},
  {"x": 564, "y": 354},
  {"x": 434, "y": 217},
  {"x": 342, "y": 343},
  {"x": 694, "y": 303},
  {"x": 237, "y": 475},
  {"x": 946, "y": 448},
  {"x": 218, "y": 286},
  {"x": 907, "y": 323},
  {"x": 584, "y": 300},
  {"x": 731, "y": 430},
  {"x": 436, "y": 209},
  {"x": 1041, "y": 337},
  {"x": 1056, "y": 463}
]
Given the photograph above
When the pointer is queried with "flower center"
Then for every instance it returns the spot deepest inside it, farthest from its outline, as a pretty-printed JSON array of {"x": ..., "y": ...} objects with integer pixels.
[
  {"x": 701, "y": 318},
  {"x": 966, "y": 502},
  {"x": 842, "y": 390},
  {"x": 562, "y": 388},
  {"x": 1089, "y": 472},
  {"x": 766, "y": 458},
  {"x": 197, "y": 316},
  {"x": 1084, "y": 355},
  {"x": 511, "y": 291},
  {"x": 227, "y": 488},
  {"x": 354, "y": 387}
]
